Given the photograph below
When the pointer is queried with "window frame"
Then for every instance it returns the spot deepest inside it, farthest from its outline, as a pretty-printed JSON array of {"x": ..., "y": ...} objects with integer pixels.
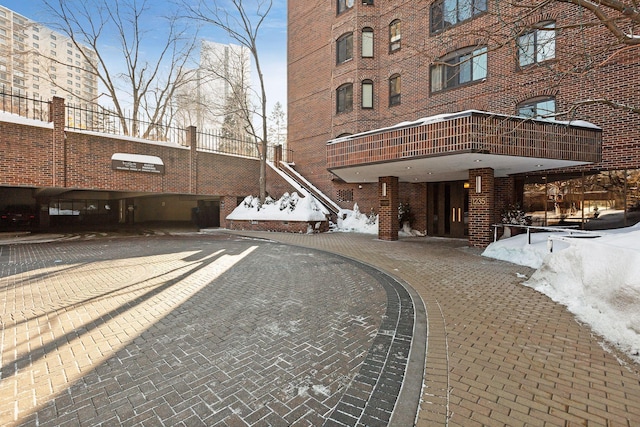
[
  {"x": 367, "y": 36},
  {"x": 461, "y": 70},
  {"x": 344, "y": 46},
  {"x": 534, "y": 104},
  {"x": 344, "y": 98},
  {"x": 368, "y": 97},
  {"x": 437, "y": 13},
  {"x": 534, "y": 47},
  {"x": 395, "y": 90},
  {"x": 343, "y": 6},
  {"x": 395, "y": 35}
]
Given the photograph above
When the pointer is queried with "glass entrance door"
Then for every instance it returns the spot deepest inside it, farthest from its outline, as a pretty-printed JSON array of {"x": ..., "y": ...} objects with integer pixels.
[{"x": 448, "y": 209}]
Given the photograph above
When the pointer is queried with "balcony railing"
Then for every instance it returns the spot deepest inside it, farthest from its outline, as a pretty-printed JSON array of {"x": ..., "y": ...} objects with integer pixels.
[{"x": 471, "y": 131}]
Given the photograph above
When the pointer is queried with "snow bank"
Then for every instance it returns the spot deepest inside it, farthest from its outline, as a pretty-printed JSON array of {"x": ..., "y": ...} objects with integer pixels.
[
  {"x": 597, "y": 279},
  {"x": 290, "y": 207}
]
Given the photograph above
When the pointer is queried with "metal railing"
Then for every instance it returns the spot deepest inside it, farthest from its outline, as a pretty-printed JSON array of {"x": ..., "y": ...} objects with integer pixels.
[
  {"x": 95, "y": 118},
  {"x": 571, "y": 229},
  {"x": 23, "y": 105}
]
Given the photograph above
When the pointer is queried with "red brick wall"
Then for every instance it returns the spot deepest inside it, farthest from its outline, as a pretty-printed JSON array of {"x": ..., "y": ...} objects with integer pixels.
[
  {"x": 46, "y": 156},
  {"x": 26, "y": 156},
  {"x": 282, "y": 226},
  {"x": 314, "y": 27}
]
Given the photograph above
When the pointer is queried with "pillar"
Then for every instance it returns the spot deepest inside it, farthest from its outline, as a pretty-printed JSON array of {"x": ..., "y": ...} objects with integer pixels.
[
  {"x": 481, "y": 207},
  {"x": 388, "y": 226},
  {"x": 227, "y": 205}
]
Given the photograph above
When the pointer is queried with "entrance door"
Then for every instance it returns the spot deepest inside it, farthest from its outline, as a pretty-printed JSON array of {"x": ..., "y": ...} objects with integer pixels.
[{"x": 448, "y": 209}]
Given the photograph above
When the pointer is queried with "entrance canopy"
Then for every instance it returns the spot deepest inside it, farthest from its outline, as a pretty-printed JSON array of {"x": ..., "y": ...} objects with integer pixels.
[{"x": 445, "y": 147}]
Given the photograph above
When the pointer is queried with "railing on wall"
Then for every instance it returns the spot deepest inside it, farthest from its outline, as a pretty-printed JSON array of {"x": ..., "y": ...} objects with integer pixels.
[
  {"x": 23, "y": 105},
  {"x": 95, "y": 118}
]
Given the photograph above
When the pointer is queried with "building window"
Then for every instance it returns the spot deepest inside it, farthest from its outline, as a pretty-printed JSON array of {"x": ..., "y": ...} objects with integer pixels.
[
  {"x": 367, "y": 42},
  {"x": 538, "y": 45},
  {"x": 344, "y": 5},
  {"x": 367, "y": 94},
  {"x": 344, "y": 48},
  {"x": 344, "y": 98},
  {"x": 540, "y": 107},
  {"x": 459, "y": 68},
  {"x": 395, "y": 35},
  {"x": 395, "y": 89},
  {"x": 447, "y": 13}
]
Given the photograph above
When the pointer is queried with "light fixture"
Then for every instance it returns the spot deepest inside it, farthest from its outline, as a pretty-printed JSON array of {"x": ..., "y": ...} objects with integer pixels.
[
  {"x": 478, "y": 184},
  {"x": 384, "y": 189},
  {"x": 477, "y": 160}
]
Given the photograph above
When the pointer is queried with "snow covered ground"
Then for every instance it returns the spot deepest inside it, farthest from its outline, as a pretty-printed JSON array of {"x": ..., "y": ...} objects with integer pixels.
[{"x": 597, "y": 278}]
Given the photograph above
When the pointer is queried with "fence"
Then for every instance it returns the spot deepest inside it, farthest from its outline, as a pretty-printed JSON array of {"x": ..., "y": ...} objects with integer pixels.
[
  {"x": 95, "y": 118},
  {"x": 23, "y": 106}
]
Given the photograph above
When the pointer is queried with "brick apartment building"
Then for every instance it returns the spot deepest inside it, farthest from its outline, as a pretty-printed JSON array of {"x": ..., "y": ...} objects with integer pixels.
[{"x": 437, "y": 104}]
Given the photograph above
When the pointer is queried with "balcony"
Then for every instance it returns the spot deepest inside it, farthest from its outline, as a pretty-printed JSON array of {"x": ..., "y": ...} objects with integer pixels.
[{"x": 446, "y": 147}]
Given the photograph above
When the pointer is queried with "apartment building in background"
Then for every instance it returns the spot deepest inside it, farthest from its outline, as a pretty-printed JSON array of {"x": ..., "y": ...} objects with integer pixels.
[
  {"x": 462, "y": 109},
  {"x": 38, "y": 62},
  {"x": 219, "y": 90}
]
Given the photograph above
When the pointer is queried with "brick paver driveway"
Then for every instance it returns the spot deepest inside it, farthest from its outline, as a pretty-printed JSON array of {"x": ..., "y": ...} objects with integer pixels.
[{"x": 197, "y": 330}]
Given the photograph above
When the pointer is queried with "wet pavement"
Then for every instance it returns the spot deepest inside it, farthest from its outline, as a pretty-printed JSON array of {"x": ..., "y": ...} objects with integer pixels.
[{"x": 249, "y": 328}]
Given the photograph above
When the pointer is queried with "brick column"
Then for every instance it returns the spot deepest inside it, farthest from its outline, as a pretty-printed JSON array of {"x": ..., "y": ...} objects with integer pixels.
[
  {"x": 277, "y": 155},
  {"x": 227, "y": 205},
  {"x": 388, "y": 213},
  {"x": 193, "y": 159},
  {"x": 59, "y": 148},
  {"x": 481, "y": 207}
]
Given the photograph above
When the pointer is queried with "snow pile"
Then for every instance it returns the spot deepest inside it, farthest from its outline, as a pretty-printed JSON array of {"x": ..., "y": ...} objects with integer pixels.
[
  {"x": 290, "y": 207},
  {"x": 598, "y": 279},
  {"x": 356, "y": 221}
]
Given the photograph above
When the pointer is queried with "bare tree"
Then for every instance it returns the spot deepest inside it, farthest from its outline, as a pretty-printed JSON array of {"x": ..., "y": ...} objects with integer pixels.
[
  {"x": 243, "y": 23},
  {"x": 155, "y": 64}
]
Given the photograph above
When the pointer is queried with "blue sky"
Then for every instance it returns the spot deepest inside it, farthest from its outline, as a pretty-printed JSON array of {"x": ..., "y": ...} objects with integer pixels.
[{"x": 272, "y": 43}]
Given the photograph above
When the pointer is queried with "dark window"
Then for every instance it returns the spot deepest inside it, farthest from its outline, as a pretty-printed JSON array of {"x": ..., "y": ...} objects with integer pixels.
[
  {"x": 344, "y": 98},
  {"x": 459, "y": 68},
  {"x": 344, "y": 48},
  {"x": 540, "y": 107},
  {"x": 367, "y": 42},
  {"x": 395, "y": 89},
  {"x": 395, "y": 35},
  {"x": 538, "y": 45},
  {"x": 344, "y": 5},
  {"x": 447, "y": 13},
  {"x": 367, "y": 94}
]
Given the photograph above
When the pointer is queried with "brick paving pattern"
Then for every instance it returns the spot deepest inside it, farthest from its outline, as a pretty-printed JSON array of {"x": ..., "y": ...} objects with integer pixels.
[
  {"x": 497, "y": 353},
  {"x": 205, "y": 330}
]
